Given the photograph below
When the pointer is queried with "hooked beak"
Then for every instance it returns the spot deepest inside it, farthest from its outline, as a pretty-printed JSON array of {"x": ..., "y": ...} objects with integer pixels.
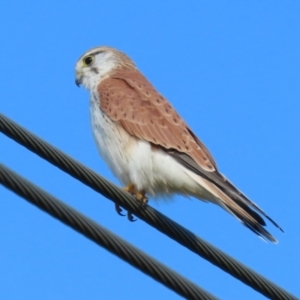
[{"x": 78, "y": 80}]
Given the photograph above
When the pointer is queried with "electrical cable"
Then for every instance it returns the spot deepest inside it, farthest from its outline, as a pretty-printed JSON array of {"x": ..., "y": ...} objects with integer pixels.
[
  {"x": 147, "y": 214},
  {"x": 101, "y": 236}
]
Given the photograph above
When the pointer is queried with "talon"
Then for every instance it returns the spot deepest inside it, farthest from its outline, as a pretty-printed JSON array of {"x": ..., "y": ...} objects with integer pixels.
[
  {"x": 130, "y": 217},
  {"x": 119, "y": 210},
  {"x": 139, "y": 195}
]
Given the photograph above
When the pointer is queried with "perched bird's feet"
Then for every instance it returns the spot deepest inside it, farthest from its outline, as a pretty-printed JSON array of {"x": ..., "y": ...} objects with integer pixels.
[
  {"x": 130, "y": 217},
  {"x": 139, "y": 195},
  {"x": 119, "y": 210},
  {"x": 129, "y": 214}
]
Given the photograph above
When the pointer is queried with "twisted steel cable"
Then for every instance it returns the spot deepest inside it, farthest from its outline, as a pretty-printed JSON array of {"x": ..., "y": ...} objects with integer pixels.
[
  {"x": 101, "y": 236},
  {"x": 147, "y": 214}
]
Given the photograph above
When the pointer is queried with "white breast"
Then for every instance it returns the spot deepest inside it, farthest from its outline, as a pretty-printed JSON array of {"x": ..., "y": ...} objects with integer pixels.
[{"x": 128, "y": 157}]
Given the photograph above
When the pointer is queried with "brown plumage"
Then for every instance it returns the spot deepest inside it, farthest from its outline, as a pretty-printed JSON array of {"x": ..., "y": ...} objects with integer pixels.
[
  {"x": 129, "y": 100},
  {"x": 127, "y": 97}
]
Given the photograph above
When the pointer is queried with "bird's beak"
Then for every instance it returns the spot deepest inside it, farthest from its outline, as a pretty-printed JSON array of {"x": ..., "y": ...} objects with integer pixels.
[{"x": 78, "y": 80}]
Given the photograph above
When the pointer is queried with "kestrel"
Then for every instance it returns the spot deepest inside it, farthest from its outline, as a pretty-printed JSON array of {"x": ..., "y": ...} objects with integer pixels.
[{"x": 148, "y": 146}]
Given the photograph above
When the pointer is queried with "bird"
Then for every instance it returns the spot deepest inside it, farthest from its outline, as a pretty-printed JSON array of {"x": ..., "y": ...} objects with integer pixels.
[{"x": 148, "y": 146}]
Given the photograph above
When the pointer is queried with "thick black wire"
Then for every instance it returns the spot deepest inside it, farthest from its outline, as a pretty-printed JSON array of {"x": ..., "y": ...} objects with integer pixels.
[
  {"x": 101, "y": 236},
  {"x": 148, "y": 214}
]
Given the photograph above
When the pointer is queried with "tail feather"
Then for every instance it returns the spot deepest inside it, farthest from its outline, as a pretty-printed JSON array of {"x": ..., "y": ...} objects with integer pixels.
[
  {"x": 253, "y": 226},
  {"x": 242, "y": 210},
  {"x": 237, "y": 195}
]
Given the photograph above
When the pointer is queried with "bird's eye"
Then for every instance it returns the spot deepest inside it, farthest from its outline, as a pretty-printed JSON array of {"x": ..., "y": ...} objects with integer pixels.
[{"x": 88, "y": 60}]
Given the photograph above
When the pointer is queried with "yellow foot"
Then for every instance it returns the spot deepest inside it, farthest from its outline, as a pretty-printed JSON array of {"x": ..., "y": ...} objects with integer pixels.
[{"x": 139, "y": 195}]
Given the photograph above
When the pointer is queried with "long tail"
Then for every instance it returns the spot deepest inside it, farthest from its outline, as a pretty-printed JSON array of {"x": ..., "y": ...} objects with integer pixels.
[{"x": 241, "y": 209}]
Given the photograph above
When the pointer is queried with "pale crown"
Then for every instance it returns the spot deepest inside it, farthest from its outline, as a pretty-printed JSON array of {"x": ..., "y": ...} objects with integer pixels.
[{"x": 97, "y": 63}]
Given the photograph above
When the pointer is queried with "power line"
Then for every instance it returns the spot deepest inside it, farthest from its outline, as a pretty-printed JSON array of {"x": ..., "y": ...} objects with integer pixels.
[
  {"x": 148, "y": 214},
  {"x": 101, "y": 236}
]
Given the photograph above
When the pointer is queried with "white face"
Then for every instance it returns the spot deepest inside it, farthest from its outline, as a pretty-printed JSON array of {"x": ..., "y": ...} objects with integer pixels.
[{"x": 94, "y": 66}]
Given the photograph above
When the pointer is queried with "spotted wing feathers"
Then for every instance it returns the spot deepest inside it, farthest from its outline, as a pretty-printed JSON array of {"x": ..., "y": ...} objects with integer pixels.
[{"x": 129, "y": 99}]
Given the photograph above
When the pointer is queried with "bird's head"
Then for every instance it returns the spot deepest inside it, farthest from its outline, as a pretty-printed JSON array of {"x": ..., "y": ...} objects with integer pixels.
[{"x": 98, "y": 63}]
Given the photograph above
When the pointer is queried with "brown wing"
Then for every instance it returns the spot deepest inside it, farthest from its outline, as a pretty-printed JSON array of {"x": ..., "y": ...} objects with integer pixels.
[{"x": 128, "y": 98}]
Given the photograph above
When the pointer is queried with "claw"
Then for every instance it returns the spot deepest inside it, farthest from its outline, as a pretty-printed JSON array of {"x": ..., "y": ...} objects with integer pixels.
[
  {"x": 130, "y": 217},
  {"x": 140, "y": 197},
  {"x": 119, "y": 210}
]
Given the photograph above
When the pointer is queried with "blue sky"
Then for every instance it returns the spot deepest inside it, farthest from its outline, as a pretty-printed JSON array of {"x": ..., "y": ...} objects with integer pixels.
[{"x": 231, "y": 68}]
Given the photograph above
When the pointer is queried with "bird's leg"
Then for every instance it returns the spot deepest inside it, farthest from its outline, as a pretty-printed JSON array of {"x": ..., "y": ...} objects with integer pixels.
[
  {"x": 139, "y": 195},
  {"x": 130, "y": 189}
]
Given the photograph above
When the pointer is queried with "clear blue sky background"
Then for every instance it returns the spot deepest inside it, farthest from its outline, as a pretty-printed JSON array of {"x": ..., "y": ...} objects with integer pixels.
[{"x": 231, "y": 68}]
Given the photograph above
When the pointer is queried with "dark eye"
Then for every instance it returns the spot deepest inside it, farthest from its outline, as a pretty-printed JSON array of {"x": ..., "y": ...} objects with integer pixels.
[{"x": 88, "y": 60}]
